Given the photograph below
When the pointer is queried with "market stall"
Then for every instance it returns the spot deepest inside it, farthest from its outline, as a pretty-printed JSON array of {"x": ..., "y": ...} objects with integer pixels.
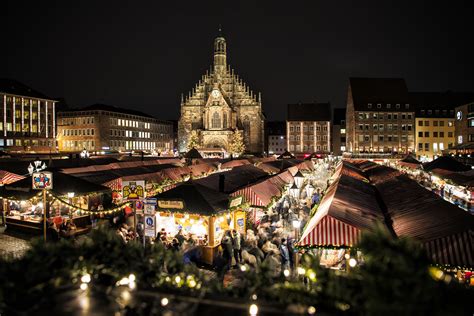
[
  {"x": 70, "y": 198},
  {"x": 202, "y": 214}
]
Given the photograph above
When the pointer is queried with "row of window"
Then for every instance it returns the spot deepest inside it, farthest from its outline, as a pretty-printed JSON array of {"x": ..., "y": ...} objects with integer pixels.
[
  {"x": 311, "y": 148},
  {"x": 78, "y": 132},
  {"x": 76, "y": 121},
  {"x": 381, "y": 127},
  {"x": 27, "y": 142},
  {"x": 78, "y": 144},
  {"x": 386, "y": 138},
  {"x": 388, "y": 105},
  {"x": 26, "y": 101},
  {"x": 437, "y": 112},
  {"x": 435, "y": 147},
  {"x": 435, "y": 123},
  {"x": 309, "y": 128},
  {"x": 276, "y": 143},
  {"x": 381, "y": 116},
  {"x": 137, "y": 134},
  {"x": 308, "y": 137},
  {"x": 435, "y": 134}
]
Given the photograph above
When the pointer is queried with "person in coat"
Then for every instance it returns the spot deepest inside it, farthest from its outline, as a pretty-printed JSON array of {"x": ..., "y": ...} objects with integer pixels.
[{"x": 237, "y": 246}]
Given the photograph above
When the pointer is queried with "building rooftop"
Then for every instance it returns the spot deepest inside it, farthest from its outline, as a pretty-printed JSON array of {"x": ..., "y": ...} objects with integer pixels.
[
  {"x": 11, "y": 86},
  {"x": 309, "y": 112},
  {"x": 441, "y": 104},
  {"x": 276, "y": 128},
  {"x": 109, "y": 108},
  {"x": 382, "y": 91}
]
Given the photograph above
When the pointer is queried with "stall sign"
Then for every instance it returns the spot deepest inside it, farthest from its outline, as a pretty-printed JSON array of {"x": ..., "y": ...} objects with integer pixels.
[
  {"x": 150, "y": 226},
  {"x": 171, "y": 204},
  {"x": 235, "y": 202},
  {"x": 240, "y": 222},
  {"x": 150, "y": 206},
  {"x": 42, "y": 180},
  {"x": 133, "y": 190}
]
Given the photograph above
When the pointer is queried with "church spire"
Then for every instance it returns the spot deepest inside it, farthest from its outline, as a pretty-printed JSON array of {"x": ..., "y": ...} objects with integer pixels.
[{"x": 220, "y": 54}]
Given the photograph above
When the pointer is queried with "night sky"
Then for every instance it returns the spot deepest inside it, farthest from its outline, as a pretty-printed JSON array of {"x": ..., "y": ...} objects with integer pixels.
[{"x": 144, "y": 54}]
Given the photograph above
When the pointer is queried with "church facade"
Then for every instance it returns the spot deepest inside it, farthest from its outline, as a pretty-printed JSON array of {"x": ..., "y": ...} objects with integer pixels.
[{"x": 219, "y": 105}]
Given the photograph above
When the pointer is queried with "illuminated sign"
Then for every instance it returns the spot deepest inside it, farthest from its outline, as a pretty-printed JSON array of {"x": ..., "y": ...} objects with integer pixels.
[
  {"x": 133, "y": 190},
  {"x": 235, "y": 202},
  {"x": 171, "y": 204},
  {"x": 42, "y": 180}
]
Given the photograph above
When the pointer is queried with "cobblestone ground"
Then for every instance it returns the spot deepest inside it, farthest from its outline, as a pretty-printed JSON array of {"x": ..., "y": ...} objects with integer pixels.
[{"x": 13, "y": 246}]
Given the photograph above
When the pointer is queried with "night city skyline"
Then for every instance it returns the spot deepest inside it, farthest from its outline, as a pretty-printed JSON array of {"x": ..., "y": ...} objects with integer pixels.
[{"x": 143, "y": 57}]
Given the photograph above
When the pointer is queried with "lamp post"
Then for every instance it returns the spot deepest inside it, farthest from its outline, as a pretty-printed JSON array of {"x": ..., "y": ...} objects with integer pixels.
[
  {"x": 37, "y": 167},
  {"x": 309, "y": 193},
  {"x": 70, "y": 195},
  {"x": 296, "y": 226},
  {"x": 84, "y": 153},
  {"x": 299, "y": 179}
]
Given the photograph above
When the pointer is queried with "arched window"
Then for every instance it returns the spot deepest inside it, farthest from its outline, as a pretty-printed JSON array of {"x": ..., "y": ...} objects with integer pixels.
[
  {"x": 246, "y": 126},
  {"x": 216, "y": 120},
  {"x": 224, "y": 121}
]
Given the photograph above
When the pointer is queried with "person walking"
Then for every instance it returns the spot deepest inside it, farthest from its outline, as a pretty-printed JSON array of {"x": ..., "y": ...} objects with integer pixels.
[
  {"x": 285, "y": 255},
  {"x": 237, "y": 246},
  {"x": 227, "y": 249}
]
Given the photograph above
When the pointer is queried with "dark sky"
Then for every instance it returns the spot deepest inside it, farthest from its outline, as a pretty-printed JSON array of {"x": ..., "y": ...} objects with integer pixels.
[{"x": 144, "y": 54}]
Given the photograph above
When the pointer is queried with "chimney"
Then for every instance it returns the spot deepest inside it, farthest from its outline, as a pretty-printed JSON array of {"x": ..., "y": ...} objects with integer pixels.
[{"x": 221, "y": 183}]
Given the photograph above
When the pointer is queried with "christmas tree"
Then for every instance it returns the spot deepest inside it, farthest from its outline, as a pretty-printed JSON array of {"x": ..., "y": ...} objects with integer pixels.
[
  {"x": 237, "y": 146},
  {"x": 193, "y": 140}
]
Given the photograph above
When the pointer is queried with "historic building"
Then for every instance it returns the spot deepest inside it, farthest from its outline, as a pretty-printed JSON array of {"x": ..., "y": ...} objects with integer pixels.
[
  {"x": 379, "y": 116},
  {"x": 107, "y": 128},
  {"x": 219, "y": 105},
  {"x": 27, "y": 119},
  {"x": 308, "y": 128},
  {"x": 275, "y": 137}
]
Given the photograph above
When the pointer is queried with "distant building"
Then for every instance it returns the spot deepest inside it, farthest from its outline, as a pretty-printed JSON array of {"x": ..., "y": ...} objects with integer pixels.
[
  {"x": 338, "y": 131},
  {"x": 219, "y": 105},
  {"x": 276, "y": 137},
  {"x": 435, "y": 121},
  {"x": 379, "y": 116},
  {"x": 464, "y": 128},
  {"x": 308, "y": 128},
  {"x": 102, "y": 127},
  {"x": 27, "y": 119}
]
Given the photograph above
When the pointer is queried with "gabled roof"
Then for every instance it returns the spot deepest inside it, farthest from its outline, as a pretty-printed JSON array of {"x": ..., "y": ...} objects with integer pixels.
[
  {"x": 197, "y": 199},
  {"x": 286, "y": 155},
  {"x": 446, "y": 163},
  {"x": 309, "y": 112},
  {"x": 234, "y": 179},
  {"x": 379, "y": 90},
  {"x": 11, "y": 86},
  {"x": 193, "y": 154}
]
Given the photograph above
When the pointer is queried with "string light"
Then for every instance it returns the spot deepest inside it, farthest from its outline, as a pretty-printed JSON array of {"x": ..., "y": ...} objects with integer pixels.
[
  {"x": 253, "y": 310},
  {"x": 164, "y": 301}
]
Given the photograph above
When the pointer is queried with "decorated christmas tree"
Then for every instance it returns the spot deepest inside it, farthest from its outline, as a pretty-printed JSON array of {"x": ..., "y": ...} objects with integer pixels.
[
  {"x": 237, "y": 146},
  {"x": 193, "y": 140}
]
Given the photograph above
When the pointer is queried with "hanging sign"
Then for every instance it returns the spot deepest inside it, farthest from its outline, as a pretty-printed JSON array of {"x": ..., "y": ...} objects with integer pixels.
[
  {"x": 42, "y": 180},
  {"x": 171, "y": 204},
  {"x": 133, "y": 190},
  {"x": 150, "y": 206},
  {"x": 150, "y": 226},
  {"x": 235, "y": 201}
]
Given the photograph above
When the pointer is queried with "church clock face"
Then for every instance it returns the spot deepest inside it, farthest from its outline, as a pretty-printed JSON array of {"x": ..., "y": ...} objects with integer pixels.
[
  {"x": 459, "y": 115},
  {"x": 215, "y": 93}
]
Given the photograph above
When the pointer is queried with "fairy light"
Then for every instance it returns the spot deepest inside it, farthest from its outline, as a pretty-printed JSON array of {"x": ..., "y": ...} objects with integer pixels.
[
  {"x": 352, "y": 262},
  {"x": 301, "y": 270},
  {"x": 177, "y": 279},
  {"x": 286, "y": 273},
  {"x": 243, "y": 268},
  {"x": 86, "y": 278},
  {"x": 83, "y": 286},
  {"x": 164, "y": 301},
  {"x": 311, "y": 310}
]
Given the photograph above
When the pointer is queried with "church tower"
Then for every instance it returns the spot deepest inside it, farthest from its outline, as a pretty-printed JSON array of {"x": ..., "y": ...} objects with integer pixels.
[{"x": 219, "y": 105}]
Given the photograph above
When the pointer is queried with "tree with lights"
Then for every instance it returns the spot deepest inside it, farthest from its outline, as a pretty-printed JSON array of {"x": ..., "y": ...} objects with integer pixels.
[
  {"x": 193, "y": 140},
  {"x": 237, "y": 146}
]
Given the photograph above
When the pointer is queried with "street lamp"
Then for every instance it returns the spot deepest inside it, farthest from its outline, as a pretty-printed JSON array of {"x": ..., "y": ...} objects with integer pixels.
[
  {"x": 309, "y": 191},
  {"x": 294, "y": 190},
  {"x": 299, "y": 179},
  {"x": 70, "y": 195},
  {"x": 84, "y": 153}
]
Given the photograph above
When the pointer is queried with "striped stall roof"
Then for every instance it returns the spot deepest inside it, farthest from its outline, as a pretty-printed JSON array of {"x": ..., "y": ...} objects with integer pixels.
[
  {"x": 8, "y": 177},
  {"x": 453, "y": 250},
  {"x": 331, "y": 232}
]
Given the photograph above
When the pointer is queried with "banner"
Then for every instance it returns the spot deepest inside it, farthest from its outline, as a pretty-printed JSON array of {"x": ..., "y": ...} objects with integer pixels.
[
  {"x": 133, "y": 190},
  {"x": 42, "y": 180}
]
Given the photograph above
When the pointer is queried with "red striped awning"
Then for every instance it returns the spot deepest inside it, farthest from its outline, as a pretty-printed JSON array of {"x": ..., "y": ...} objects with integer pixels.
[
  {"x": 454, "y": 250},
  {"x": 8, "y": 177},
  {"x": 114, "y": 185},
  {"x": 331, "y": 232}
]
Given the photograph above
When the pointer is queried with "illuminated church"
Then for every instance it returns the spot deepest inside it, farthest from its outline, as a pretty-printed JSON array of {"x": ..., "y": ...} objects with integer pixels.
[{"x": 219, "y": 104}]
